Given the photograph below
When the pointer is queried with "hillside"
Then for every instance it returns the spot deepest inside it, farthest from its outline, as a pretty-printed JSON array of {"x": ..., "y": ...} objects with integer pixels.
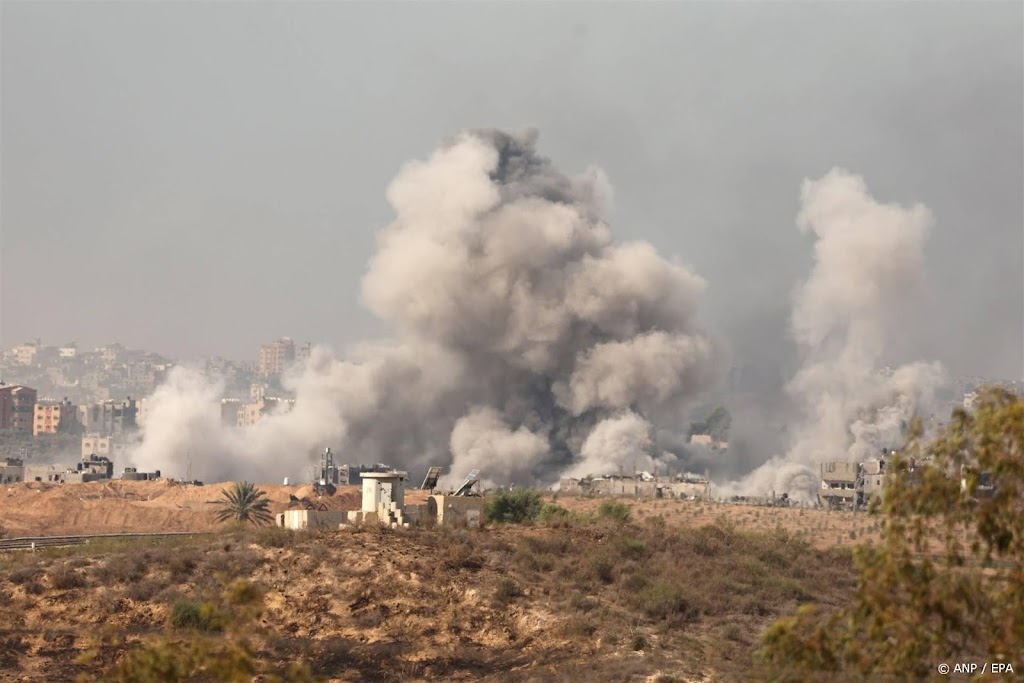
[{"x": 586, "y": 600}]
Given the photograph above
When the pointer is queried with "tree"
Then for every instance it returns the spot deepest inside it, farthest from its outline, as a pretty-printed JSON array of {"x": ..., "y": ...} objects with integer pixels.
[
  {"x": 516, "y": 506},
  {"x": 244, "y": 503},
  {"x": 947, "y": 583}
]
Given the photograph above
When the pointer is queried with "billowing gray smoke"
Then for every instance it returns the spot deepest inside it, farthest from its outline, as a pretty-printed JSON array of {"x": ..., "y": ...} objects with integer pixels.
[
  {"x": 868, "y": 261},
  {"x": 527, "y": 342}
]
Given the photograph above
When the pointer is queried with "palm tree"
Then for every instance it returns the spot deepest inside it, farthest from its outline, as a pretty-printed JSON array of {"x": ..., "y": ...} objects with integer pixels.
[{"x": 244, "y": 503}]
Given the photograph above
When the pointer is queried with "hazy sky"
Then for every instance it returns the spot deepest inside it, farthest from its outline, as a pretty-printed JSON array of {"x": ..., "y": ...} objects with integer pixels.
[{"x": 196, "y": 178}]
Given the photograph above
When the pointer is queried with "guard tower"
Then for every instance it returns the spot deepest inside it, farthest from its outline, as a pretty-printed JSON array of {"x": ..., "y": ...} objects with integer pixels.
[{"x": 384, "y": 497}]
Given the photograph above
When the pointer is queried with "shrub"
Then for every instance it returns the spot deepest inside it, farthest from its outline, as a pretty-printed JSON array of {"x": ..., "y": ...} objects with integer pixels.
[
  {"x": 143, "y": 591},
  {"x": 631, "y": 548},
  {"x": 181, "y": 566},
  {"x": 274, "y": 537},
  {"x": 578, "y": 627},
  {"x": 661, "y": 600},
  {"x": 554, "y": 515},
  {"x": 603, "y": 569},
  {"x": 122, "y": 568},
  {"x": 458, "y": 555},
  {"x": 189, "y": 614},
  {"x": 507, "y": 591},
  {"x": 516, "y": 506},
  {"x": 614, "y": 510},
  {"x": 581, "y": 603},
  {"x": 23, "y": 575},
  {"x": 66, "y": 578}
]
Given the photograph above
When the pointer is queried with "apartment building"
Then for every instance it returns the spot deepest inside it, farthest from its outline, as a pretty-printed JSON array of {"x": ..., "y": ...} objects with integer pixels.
[
  {"x": 109, "y": 417},
  {"x": 250, "y": 414},
  {"x": 276, "y": 356},
  {"x": 51, "y": 417},
  {"x": 17, "y": 407}
]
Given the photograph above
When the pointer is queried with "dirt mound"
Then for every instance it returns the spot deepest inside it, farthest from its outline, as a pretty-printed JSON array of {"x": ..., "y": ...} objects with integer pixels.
[{"x": 43, "y": 509}]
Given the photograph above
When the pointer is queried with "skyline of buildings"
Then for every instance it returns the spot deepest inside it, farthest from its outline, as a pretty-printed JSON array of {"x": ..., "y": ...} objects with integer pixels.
[{"x": 48, "y": 389}]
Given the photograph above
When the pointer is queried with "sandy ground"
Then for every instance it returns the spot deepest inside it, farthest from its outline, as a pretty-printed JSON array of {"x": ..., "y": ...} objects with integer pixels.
[{"x": 41, "y": 509}]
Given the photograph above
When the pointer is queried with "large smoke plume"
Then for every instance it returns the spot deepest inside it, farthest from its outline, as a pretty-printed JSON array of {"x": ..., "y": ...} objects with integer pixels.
[
  {"x": 527, "y": 343},
  {"x": 868, "y": 261}
]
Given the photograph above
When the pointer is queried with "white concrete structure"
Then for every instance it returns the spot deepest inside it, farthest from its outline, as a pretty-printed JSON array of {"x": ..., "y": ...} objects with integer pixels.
[
  {"x": 310, "y": 519},
  {"x": 383, "y": 499},
  {"x": 382, "y": 489}
]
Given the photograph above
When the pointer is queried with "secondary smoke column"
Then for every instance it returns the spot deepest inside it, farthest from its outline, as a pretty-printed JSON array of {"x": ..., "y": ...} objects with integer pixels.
[
  {"x": 527, "y": 342},
  {"x": 868, "y": 262}
]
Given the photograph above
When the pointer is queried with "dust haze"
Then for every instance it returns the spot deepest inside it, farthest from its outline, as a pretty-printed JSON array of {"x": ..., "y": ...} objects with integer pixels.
[
  {"x": 816, "y": 222},
  {"x": 529, "y": 343}
]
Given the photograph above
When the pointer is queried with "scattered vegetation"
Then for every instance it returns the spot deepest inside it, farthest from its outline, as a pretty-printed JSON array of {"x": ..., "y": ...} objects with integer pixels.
[
  {"x": 555, "y": 515},
  {"x": 228, "y": 657},
  {"x": 602, "y": 584},
  {"x": 191, "y": 614},
  {"x": 546, "y": 593},
  {"x": 517, "y": 506},
  {"x": 245, "y": 504},
  {"x": 613, "y": 510},
  {"x": 946, "y": 583}
]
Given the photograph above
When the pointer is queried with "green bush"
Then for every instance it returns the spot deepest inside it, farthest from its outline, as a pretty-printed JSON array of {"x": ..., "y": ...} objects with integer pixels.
[
  {"x": 189, "y": 614},
  {"x": 186, "y": 614},
  {"x": 554, "y": 515},
  {"x": 614, "y": 510},
  {"x": 516, "y": 506}
]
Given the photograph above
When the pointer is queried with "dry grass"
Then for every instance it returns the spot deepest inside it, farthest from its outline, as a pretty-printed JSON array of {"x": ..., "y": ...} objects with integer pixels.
[
  {"x": 821, "y": 528},
  {"x": 597, "y": 600}
]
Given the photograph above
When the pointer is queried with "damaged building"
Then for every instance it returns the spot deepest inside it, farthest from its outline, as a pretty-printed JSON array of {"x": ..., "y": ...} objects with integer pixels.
[
  {"x": 641, "y": 485},
  {"x": 12, "y": 470},
  {"x": 91, "y": 468},
  {"x": 852, "y": 486},
  {"x": 132, "y": 474}
]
